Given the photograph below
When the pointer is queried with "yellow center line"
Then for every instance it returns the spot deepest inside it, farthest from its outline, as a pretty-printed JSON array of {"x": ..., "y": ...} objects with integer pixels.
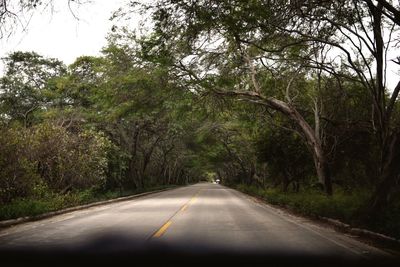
[
  {"x": 192, "y": 200},
  {"x": 184, "y": 207},
  {"x": 162, "y": 230}
]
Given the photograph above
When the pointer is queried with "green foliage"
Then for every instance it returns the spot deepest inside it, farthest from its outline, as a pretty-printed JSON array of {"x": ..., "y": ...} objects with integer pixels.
[
  {"x": 69, "y": 160},
  {"x": 37, "y": 205},
  {"x": 104, "y": 122},
  {"x": 23, "y": 86},
  {"x": 286, "y": 155},
  {"x": 313, "y": 203},
  {"x": 18, "y": 175},
  {"x": 343, "y": 206},
  {"x": 47, "y": 157},
  {"x": 389, "y": 220}
]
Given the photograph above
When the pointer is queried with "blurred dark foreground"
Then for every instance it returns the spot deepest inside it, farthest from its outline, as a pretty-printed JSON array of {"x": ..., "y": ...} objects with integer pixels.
[
  {"x": 163, "y": 258},
  {"x": 119, "y": 251}
]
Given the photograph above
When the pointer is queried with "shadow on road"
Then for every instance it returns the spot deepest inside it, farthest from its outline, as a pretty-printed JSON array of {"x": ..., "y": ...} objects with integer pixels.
[{"x": 118, "y": 250}]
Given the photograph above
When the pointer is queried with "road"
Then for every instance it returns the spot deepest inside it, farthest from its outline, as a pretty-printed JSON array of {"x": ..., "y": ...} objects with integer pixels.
[{"x": 201, "y": 218}]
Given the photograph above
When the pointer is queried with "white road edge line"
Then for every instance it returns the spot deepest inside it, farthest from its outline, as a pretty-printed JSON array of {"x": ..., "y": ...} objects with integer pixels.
[{"x": 268, "y": 208}]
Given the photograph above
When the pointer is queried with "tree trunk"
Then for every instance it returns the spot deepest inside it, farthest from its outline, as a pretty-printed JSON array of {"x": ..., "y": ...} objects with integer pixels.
[
  {"x": 169, "y": 174},
  {"x": 147, "y": 157},
  {"x": 132, "y": 144},
  {"x": 312, "y": 141},
  {"x": 133, "y": 174},
  {"x": 285, "y": 181},
  {"x": 390, "y": 175},
  {"x": 323, "y": 173}
]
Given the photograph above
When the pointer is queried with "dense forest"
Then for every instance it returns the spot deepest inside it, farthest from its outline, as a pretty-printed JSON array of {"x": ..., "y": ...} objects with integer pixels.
[{"x": 288, "y": 100}]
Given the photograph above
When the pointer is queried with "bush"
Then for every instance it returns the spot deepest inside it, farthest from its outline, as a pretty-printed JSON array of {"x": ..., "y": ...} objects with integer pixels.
[
  {"x": 343, "y": 206},
  {"x": 18, "y": 174},
  {"x": 32, "y": 206},
  {"x": 47, "y": 158},
  {"x": 314, "y": 203},
  {"x": 70, "y": 160}
]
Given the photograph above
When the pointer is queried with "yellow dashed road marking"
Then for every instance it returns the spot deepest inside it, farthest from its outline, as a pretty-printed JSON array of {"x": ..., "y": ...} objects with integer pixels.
[
  {"x": 192, "y": 200},
  {"x": 184, "y": 207},
  {"x": 162, "y": 230}
]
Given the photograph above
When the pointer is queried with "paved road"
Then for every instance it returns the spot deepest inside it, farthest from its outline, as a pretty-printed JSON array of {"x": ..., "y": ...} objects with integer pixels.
[{"x": 202, "y": 217}]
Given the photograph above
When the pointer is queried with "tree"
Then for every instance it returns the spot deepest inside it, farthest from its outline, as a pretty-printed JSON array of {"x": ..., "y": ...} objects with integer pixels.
[
  {"x": 365, "y": 38},
  {"x": 207, "y": 43},
  {"x": 23, "y": 87},
  {"x": 138, "y": 106}
]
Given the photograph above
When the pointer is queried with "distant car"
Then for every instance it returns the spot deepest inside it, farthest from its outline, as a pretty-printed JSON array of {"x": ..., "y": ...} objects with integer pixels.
[{"x": 217, "y": 181}]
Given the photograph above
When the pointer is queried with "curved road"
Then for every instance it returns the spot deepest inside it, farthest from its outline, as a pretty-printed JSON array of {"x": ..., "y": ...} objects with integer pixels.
[{"x": 202, "y": 218}]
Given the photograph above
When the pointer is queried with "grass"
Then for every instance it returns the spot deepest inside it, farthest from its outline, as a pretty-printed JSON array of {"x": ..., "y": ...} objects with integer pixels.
[
  {"x": 342, "y": 206},
  {"x": 53, "y": 202}
]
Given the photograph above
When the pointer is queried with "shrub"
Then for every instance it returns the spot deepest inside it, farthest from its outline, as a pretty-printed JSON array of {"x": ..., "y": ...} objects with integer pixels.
[
  {"x": 47, "y": 158},
  {"x": 70, "y": 160},
  {"x": 18, "y": 174},
  {"x": 312, "y": 202}
]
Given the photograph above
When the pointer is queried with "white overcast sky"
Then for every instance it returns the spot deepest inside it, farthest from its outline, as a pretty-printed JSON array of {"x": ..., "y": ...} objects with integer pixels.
[{"x": 58, "y": 34}]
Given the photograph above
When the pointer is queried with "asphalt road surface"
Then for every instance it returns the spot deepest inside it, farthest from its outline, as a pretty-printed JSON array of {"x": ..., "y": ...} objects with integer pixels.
[{"x": 202, "y": 220}]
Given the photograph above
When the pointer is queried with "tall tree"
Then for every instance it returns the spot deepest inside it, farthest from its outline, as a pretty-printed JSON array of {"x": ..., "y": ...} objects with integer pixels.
[
  {"x": 365, "y": 40},
  {"x": 216, "y": 45},
  {"x": 23, "y": 87}
]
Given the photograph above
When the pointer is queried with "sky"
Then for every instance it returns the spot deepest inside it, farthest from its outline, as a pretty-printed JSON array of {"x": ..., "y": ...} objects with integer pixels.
[{"x": 59, "y": 35}]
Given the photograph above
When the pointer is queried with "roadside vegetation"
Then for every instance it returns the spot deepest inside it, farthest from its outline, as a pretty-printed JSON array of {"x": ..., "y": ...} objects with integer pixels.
[
  {"x": 343, "y": 206},
  {"x": 294, "y": 102},
  {"x": 97, "y": 129},
  {"x": 48, "y": 202}
]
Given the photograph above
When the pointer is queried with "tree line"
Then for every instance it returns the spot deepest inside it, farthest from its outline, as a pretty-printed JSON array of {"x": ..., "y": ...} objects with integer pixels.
[{"x": 105, "y": 123}]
